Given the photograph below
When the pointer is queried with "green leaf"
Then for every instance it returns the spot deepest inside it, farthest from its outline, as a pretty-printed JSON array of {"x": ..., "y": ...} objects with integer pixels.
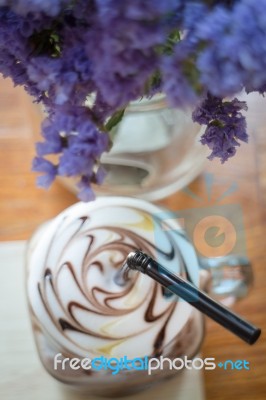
[
  {"x": 192, "y": 74},
  {"x": 46, "y": 42},
  {"x": 168, "y": 47},
  {"x": 114, "y": 119},
  {"x": 217, "y": 122},
  {"x": 153, "y": 82}
]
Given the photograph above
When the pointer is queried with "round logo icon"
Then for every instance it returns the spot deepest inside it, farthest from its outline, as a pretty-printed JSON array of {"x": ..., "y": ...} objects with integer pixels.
[{"x": 214, "y": 236}]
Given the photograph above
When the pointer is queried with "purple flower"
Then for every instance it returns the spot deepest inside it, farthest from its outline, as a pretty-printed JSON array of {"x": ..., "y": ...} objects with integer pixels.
[
  {"x": 226, "y": 126},
  {"x": 180, "y": 86},
  {"x": 138, "y": 9},
  {"x": 193, "y": 13},
  {"x": 41, "y": 165},
  {"x": 70, "y": 133},
  {"x": 234, "y": 51},
  {"x": 53, "y": 143},
  {"x": 99, "y": 175},
  {"x": 84, "y": 185},
  {"x": 85, "y": 191},
  {"x": 49, "y": 7},
  {"x": 127, "y": 35},
  {"x": 66, "y": 52}
]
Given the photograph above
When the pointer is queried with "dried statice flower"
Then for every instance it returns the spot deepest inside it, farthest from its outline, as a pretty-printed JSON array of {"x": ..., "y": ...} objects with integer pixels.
[{"x": 226, "y": 126}]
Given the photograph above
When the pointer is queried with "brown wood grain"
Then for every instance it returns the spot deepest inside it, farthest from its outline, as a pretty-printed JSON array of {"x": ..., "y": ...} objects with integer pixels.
[{"x": 23, "y": 207}]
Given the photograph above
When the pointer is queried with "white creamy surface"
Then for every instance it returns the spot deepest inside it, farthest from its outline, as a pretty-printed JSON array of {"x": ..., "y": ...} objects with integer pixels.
[
  {"x": 72, "y": 263},
  {"x": 22, "y": 375}
]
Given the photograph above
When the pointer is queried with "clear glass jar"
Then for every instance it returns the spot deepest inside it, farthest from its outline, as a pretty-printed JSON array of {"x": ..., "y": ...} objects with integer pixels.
[{"x": 156, "y": 151}]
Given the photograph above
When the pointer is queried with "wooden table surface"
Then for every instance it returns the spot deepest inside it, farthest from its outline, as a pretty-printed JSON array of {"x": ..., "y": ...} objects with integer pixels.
[{"x": 23, "y": 207}]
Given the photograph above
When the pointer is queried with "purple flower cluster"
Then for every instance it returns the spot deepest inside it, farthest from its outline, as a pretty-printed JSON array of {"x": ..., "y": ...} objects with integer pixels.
[
  {"x": 23, "y": 7},
  {"x": 234, "y": 56},
  {"x": 49, "y": 58},
  {"x": 226, "y": 126},
  {"x": 78, "y": 150},
  {"x": 109, "y": 52},
  {"x": 127, "y": 35}
]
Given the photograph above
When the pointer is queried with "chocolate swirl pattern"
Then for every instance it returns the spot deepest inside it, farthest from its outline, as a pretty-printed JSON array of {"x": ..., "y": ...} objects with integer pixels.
[{"x": 74, "y": 298}]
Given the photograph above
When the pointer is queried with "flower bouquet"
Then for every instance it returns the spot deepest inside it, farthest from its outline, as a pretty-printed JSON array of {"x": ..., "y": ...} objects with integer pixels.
[{"x": 86, "y": 60}]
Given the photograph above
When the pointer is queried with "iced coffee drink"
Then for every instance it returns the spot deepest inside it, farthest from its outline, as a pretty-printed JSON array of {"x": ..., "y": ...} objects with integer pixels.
[{"x": 80, "y": 312}]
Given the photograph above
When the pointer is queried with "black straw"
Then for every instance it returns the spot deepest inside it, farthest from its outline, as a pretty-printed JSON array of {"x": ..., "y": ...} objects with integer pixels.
[{"x": 142, "y": 262}]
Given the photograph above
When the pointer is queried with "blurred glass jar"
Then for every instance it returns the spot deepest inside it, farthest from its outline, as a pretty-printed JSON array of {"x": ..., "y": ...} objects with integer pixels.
[{"x": 156, "y": 151}]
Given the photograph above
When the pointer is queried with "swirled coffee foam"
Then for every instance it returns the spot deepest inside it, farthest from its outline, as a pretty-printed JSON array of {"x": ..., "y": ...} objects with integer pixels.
[{"x": 77, "y": 308}]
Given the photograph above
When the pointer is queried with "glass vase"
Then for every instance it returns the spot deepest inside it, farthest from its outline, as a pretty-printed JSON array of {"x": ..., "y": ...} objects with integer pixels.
[{"x": 155, "y": 152}]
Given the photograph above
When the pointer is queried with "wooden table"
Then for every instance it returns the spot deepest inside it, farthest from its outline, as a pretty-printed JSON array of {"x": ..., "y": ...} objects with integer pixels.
[{"x": 23, "y": 207}]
